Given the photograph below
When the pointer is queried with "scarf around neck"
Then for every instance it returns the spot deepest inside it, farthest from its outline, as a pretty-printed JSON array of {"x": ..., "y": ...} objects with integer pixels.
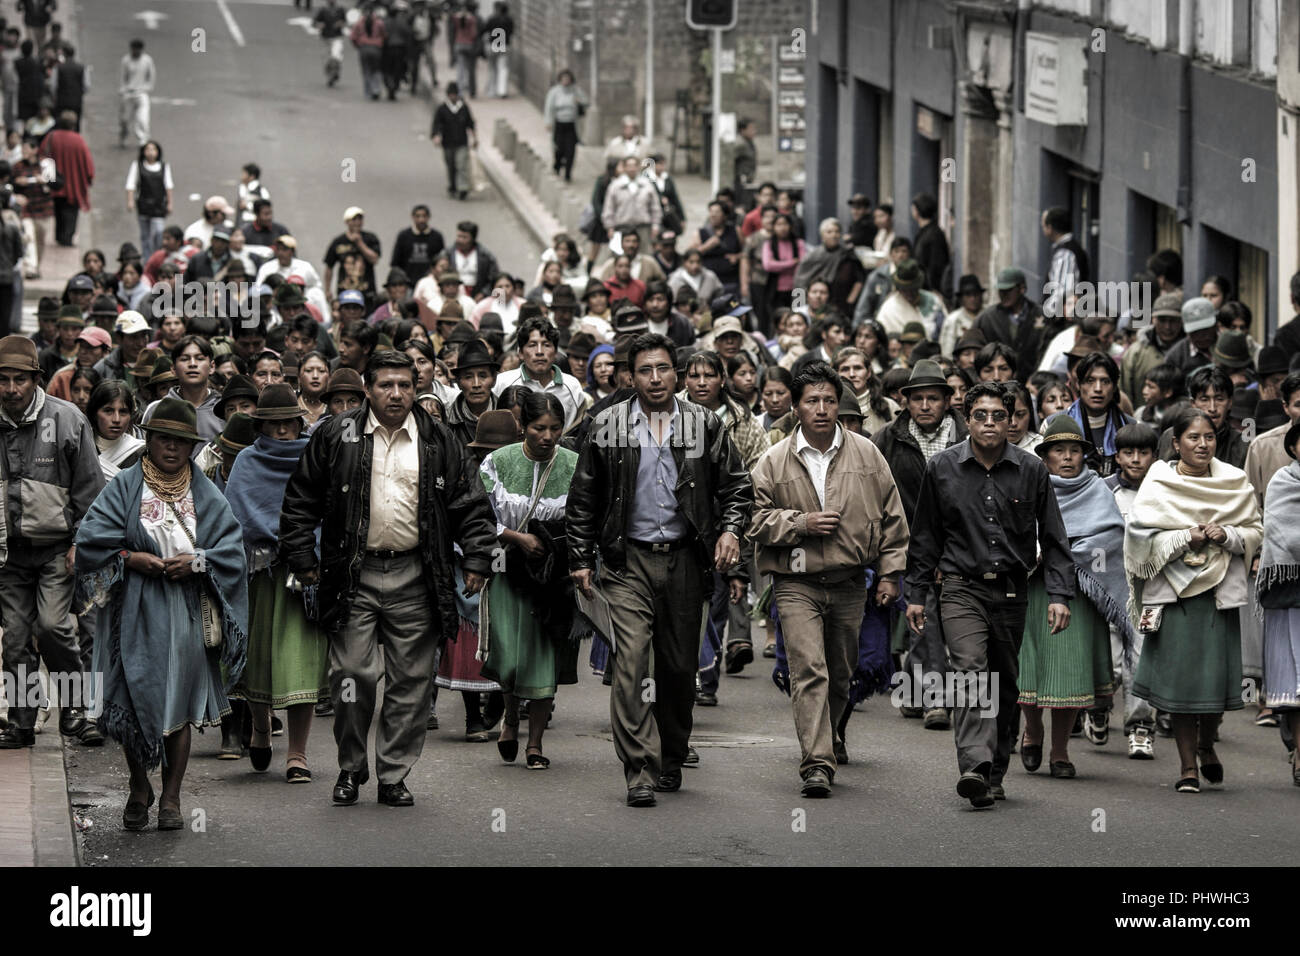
[
  {"x": 1279, "y": 558},
  {"x": 1114, "y": 421},
  {"x": 1096, "y": 532}
]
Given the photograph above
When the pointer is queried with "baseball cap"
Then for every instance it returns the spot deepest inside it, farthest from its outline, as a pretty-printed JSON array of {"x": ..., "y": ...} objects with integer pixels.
[
  {"x": 81, "y": 283},
  {"x": 289, "y": 242},
  {"x": 95, "y": 336},
  {"x": 352, "y": 297},
  {"x": 726, "y": 325},
  {"x": 129, "y": 323},
  {"x": 352, "y": 212},
  {"x": 728, "y": 305},
  {"x": 1010, "y": 278},
  {"x": 1198, "y": 314},
  {"x": 221, "y": 232}
]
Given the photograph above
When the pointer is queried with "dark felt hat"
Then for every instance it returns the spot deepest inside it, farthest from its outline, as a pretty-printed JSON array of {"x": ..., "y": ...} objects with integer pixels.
[
  {"x": 1271, "y": 360},
  {"x": 1270, "y": 413},
  {"x": 927, "y": 374},
  {"x": 495, "y": 429},
  {"x": 563, "y": 297},
  {"x": 175, "y": 417},
  {"x": 580, "y": 345},
  {"x": 344, "y": 380},
  {"x": 239, "y": 433},
  {"x": 908, "y": 275},
  {"x": 163, "y": 373},
  {"x": 1232, "y": 350},
  {"x": 1061, "y": 428},
  {"x": 476, "y": 354},
  {"x": 276, "y": 403},
  {"x": 239, "y": 386}
]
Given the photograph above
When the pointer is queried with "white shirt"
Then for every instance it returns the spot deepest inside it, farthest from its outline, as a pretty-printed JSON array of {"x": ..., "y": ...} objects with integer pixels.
[
  {"x": 296, "y": 267},
  {"x": 133, "y": 174},
  {"x": 467, "y": 266},
  {"x": 394, "y": 486},
  {"x": 562, "y": 385},
  {"x": 137, "y": 74},
  {"x": 818, "y": 462}
]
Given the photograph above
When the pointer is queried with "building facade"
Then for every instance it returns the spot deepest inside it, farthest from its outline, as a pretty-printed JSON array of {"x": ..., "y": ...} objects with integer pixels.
[{"x": 1156, "y": 123}]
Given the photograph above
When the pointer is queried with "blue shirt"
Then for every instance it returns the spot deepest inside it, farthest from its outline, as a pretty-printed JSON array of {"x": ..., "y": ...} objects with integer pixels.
[{"x": 655, "y": 515}]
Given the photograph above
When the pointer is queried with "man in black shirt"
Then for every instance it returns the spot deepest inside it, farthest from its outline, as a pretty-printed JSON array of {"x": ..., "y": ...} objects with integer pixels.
[
  {"x": 417, "y": 246},
  {"x": 263, "y": 230},
  {"x": 983, "y": 506},
  {"x": 354, "y": 239}
]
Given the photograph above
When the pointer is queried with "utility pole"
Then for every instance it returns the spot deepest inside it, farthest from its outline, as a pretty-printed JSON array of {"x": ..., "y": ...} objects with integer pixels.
[
  {"x": 724, "y": 117},
  {"x": 649, "y": 126}
]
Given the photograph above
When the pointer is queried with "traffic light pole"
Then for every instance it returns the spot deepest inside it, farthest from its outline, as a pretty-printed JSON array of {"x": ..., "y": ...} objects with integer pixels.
[{"x": 715, "y": 175}]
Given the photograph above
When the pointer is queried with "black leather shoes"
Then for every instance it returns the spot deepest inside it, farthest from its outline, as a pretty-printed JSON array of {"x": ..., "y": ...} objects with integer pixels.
[
  {"x": 641, "y": 796},
  {"x": 670, "y": 781},
  {"x": 74, "y": 723},
  {"x": 14, "y": 738},
  {"x": 395, "y": 795},
  {"x": 346, "y": 787},
  {"x": 816, "y": 784}
]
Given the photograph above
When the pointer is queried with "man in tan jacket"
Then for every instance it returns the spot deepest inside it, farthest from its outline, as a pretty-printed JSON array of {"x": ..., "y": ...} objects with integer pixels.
[{"x": 825, "y": 509}]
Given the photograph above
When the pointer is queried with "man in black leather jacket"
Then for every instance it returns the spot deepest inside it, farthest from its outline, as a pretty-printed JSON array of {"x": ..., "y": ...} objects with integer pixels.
[
  {"x": 660, "y": 493},
  {"x": 385, "y": 576}
]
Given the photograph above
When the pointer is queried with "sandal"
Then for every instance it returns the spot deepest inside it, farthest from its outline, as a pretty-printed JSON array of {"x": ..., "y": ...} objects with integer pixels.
[
  {"x": 1213, "y": 772},
  {"x": 260, "y": 757},
  {"x": 1189, "y": 783},
  {"x": 136, "y": 814},
  {"x": 297, "y": 775},
  {"x": 535, "y": 760},
  {"x": 509, "y": 749}
]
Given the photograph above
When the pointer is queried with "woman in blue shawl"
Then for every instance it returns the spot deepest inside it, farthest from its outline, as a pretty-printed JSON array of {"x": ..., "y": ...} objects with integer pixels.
[
  {"x": 157, "y": 548},
  {"x": 287, "y": 655},
  {"x": 1071, "y": 670}
]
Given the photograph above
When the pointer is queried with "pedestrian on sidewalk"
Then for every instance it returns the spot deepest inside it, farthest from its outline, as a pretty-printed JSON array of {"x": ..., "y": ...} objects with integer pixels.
[
  {"x": 526, "y": 614},
  {"x": 161, "y": 556},
  {"x": 632, "y": 205},
  {"x": 596, "y": 231},
  {"x": 984, "y": 505},
  {"x": 76, "y": 169},
  {"x": 149, "y": 188},
  {"x": 34, "y": 178},
  {"x": 368, "y": 37},
  {"x": 497, "y": 33},
  {"x": 71, "y": 82},
  {"x": 30, "y": 74},
  {"x": 661, "y": 519},
  {"x": 287, "y": 667},
  {"x": 330, "y": 21},
  {"x": 464, "y": 36},
  {"x": 134, "y": 86},
  {"x": 825, "y": 509},
  {"x": 629, "y": 142},
  {"x": 389, "y": 490},
  {"x": 565, "y": 103},
  {"x": 49, "y": 446},
  {"x": 453, "y": 130}
]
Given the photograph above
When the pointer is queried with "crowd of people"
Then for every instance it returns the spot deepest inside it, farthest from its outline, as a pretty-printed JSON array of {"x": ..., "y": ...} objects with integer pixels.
[{"x": 265, "y": 501}]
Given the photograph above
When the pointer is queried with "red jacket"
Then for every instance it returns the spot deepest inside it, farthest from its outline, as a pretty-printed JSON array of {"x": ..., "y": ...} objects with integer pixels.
[
  {"x": 375, "y": 37},
  {"x": 72, "y": 159}
]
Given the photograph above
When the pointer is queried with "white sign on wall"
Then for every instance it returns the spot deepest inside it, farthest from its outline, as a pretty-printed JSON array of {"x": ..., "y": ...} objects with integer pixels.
[{"x": 1056, "y": 79}]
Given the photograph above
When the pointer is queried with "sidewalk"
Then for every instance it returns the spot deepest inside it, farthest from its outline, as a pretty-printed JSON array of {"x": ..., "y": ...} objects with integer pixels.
[
  {"x": 35, "y": 816},
  {"x": 515, "y": 153}
]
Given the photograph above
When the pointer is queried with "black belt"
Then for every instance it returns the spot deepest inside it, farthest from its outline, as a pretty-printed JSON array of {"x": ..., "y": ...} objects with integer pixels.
[
  {"x": 992, "y": 580},
  {"x": 660, "y": 547},
  {"x": 389, "y": 555}
]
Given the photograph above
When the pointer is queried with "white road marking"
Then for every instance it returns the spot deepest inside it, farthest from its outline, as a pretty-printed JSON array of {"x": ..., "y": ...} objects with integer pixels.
[
  {"x": 150, "y": 18},
  {"x": 235, "y": 32},
  {"x": 305, "y": 23}
]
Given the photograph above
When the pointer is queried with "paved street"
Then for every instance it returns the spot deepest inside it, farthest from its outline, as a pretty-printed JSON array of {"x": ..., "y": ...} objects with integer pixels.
[{"x": 265, "y": 100}]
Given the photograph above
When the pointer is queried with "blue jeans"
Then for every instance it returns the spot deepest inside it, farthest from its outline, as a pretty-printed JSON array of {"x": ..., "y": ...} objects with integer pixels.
[{"x": 151, "y": 230}]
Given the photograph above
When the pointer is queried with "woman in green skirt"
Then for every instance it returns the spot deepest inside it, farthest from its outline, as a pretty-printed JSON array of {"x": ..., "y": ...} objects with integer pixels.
[
  {"x": 1069, "y": 671},
  {"x": 1194, "y": 529},
  {"x": 287, "y": 656},
  {"x": 526, "y": 612}
]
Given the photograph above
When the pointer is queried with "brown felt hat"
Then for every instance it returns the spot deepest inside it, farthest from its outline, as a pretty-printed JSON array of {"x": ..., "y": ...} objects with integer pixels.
[
  {"x": 19, "y": 352},
  {"x": 344, "y": 380},
  {"x": 276, "y": 403},
  {"x": 175, "y": 417},
  {"x": 495, "y": 429}
]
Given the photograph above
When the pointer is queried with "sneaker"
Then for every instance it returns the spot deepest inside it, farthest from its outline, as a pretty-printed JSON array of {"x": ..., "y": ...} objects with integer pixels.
[
  {"x": 1139, "y": 744},
  {"x": 1096, "y": 727},
  {"x": 937, "y": 719}
]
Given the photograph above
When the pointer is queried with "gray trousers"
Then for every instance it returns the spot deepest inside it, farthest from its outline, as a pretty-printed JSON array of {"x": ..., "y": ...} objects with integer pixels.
[
  {"x": 392, "y": 608},
  {"x": 983, "y": 628},
  {"x": 457, "y": 159},
  {"x": 36, "y": 601},
  {"x": 821, "y": 624},
  {"x": 657, "y": 604}
]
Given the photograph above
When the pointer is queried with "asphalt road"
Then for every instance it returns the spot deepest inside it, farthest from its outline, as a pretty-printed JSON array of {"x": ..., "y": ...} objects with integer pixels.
[{"x": 265, "y": 100}]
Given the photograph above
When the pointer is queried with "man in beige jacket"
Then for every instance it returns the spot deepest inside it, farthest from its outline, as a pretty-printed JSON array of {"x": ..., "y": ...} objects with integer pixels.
[{"x": 825, "y": 509}]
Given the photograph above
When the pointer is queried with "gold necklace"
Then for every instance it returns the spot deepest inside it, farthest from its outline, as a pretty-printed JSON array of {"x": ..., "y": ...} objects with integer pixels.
[{"x": 166, "y": 487}]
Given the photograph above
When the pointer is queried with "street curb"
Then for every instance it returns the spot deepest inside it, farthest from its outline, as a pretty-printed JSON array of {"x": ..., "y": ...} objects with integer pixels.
[
  {"x": 517, "y": 194},
  {"x": 54, "y": 839}
]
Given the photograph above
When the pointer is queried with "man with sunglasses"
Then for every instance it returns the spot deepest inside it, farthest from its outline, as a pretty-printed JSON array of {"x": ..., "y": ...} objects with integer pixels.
[{"x": 983, "y": 506}]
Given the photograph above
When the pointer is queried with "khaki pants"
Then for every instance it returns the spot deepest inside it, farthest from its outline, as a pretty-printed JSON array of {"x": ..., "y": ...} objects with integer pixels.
[
  {"x": 392, "y": 606},
  {"x": 657, "y": 604},
  {"x": 821, "y": 624}
]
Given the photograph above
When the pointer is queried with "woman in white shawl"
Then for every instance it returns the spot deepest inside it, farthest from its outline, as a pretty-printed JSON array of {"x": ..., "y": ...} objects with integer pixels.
[
  {"x": 1278, "y": 592},
  {"x": 110, "y": 410},
  {"x": 1193, "y": 531}
]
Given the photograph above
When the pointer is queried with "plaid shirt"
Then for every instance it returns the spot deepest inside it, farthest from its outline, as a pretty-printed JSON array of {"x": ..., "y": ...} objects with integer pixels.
[{"x": 936, "y": 442}]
